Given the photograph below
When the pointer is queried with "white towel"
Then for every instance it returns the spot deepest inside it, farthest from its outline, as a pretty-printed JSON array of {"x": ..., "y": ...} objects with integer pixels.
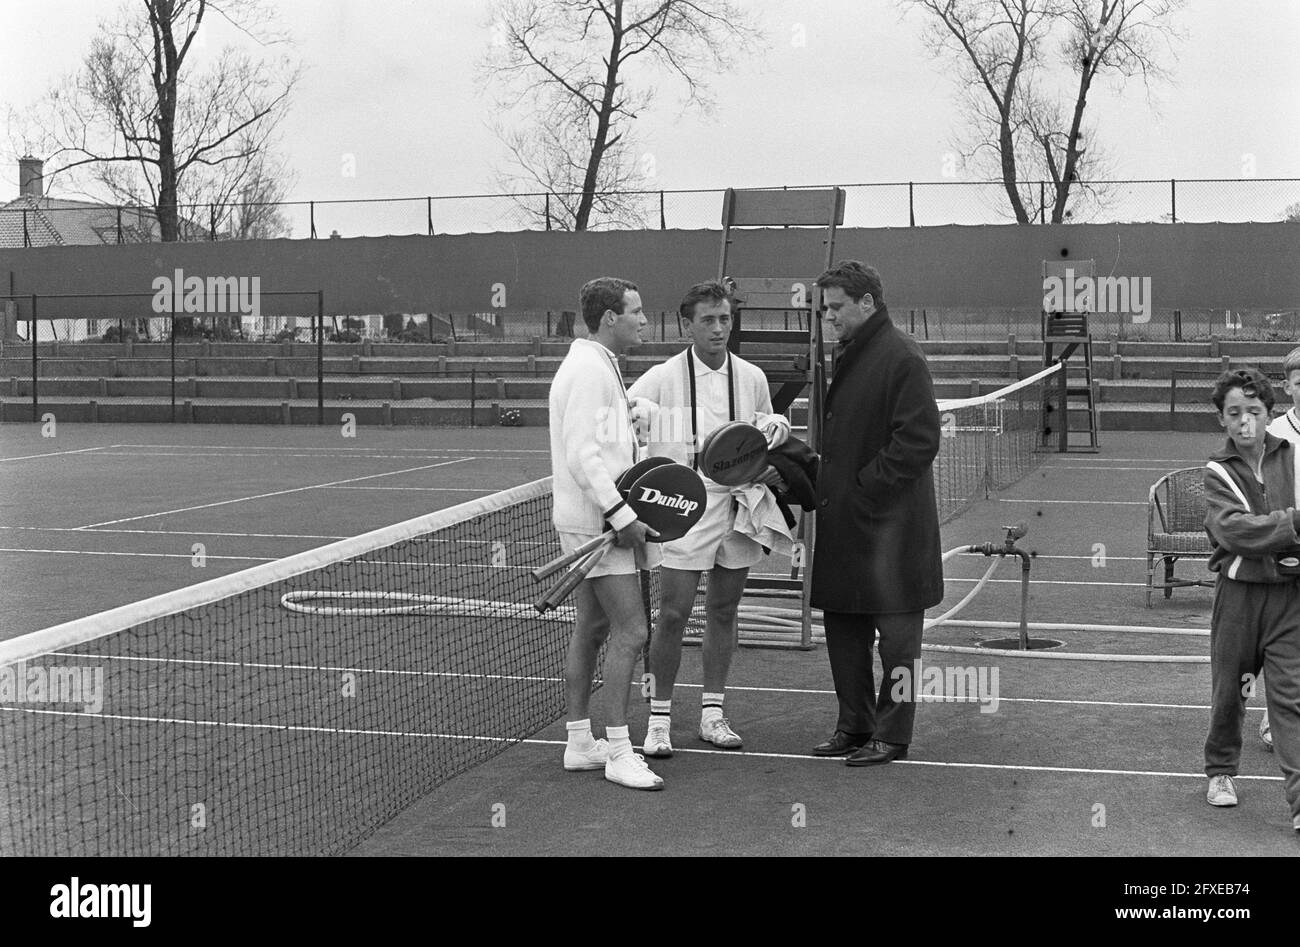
[{"x": 759, "y": 518}]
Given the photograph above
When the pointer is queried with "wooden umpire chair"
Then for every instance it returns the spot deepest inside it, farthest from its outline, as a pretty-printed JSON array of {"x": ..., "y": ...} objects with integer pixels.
[
  {"x": 1064, "y": 334},
  {"x": 1176, "y": 528},
  {"x": 790, "y": 374}
]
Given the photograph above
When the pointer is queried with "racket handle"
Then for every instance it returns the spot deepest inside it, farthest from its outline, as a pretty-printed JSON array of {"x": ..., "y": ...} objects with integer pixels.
[
  {"x": 572, "y": 579},
  {"x": 560, "y": 562}
]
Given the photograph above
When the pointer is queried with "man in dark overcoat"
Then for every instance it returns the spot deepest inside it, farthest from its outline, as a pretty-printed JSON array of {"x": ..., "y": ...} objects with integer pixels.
[{"x": 877, "y": 562}]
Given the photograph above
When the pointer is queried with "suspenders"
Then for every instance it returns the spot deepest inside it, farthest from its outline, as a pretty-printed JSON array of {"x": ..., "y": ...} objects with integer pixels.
[{"x": 731, "y": 401}]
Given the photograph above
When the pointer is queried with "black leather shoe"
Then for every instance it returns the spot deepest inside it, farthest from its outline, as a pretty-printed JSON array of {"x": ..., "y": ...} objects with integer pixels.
[
  {"x": 877, "y": 752},
  {"x": 839, "y": 744}
]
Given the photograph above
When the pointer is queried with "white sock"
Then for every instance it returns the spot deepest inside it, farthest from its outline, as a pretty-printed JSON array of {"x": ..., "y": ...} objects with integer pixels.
[
  {"x": 620, "y": 743},
  {"x": 711, "y": 707},
  {"x": 580, "y": 737},
  {"x": 661, "y": 711}
]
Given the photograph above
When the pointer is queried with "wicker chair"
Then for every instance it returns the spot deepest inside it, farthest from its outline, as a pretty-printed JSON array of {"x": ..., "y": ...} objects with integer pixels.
[{"x": 1176, "y": 528}]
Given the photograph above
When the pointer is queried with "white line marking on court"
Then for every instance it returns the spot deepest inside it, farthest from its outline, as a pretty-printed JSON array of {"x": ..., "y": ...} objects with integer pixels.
[
  {"x": 147, "y": 555},
  {"x": 635, "y": 685},
  {"x": 347, "y": 450},
  {"x": 809, "y": 758},
  {"x": 1122, "y": 585},
  {"x": 188, "y": 532},
  {"x": 426, "y": 455},
  {"x": 426, "y": 489},
  {"x": 1105, "y": 461},
  {"x": 277, "y": 493},
  {"x": 533, "y": 741},
  {"x": 60, "y": 453},
  {"x": 1078, "y": 502}
]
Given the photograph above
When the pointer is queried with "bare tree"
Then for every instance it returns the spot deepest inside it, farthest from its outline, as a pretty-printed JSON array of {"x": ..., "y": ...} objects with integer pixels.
[
  {"x": 151, "y": 126},
  {"x": 1018, "y": 123},
  {"x": 583, "y": 69}
]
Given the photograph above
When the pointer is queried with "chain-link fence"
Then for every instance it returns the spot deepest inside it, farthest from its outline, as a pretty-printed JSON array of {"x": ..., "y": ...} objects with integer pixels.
[{"x": 47, "y": 222}]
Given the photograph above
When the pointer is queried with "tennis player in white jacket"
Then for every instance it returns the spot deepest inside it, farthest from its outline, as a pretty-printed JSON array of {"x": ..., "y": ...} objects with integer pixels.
[{"x": 593, "y": 441}]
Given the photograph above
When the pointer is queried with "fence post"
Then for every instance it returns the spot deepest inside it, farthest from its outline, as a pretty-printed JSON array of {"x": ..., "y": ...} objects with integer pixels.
[
  {"x": 173, "y": 335},
  {"x": 428, "y": 207},
  {"x": 548, "y": 210},
  {"x": 119, "y": 225},
  {"x": 27, "y": 240},
  {"x": 320, "y": 356},
  {"x": 663, "y": 222},
  {"x": 1173, "y": 201},
  {"x": 36, "y": 408},
  {"x": 312, "y": 211},
  {"x": 911, "y": 207},
  {"x": 473, "y": 395},
  {"x": 212, "y": 222},
  {"x": 1178, "y": 325}
]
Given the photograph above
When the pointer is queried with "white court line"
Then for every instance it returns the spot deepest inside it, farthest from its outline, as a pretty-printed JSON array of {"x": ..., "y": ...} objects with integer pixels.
[
  {"x": 146, "y": 555},
  {"x": 424, "y": 455},
  {"x": 1077, "y": 502},
  {"x": 277, "y": 493},
  {"x": 200, "y": 532},
  {"x": 409, "y": 450},
  {"x": 801, "y": 757},
  {"x": 60, "y": 453},
  {"x": 426, "y": 489},
  {"x": 635, "y": 685},
  {"x": 533, "y": 741},
  {"x": 1034, "y": 582}
]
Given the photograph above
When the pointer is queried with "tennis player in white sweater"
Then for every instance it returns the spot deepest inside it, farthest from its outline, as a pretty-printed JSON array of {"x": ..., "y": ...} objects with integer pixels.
[
  {"x": 694, "y": 393},
  {"x": 593, "y": 441}
]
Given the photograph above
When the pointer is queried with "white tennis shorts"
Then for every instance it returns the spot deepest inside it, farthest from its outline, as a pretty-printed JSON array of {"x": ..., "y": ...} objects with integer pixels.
[
  {"x": 616, "y": 561},
  {"x": 713, "y": 541}
]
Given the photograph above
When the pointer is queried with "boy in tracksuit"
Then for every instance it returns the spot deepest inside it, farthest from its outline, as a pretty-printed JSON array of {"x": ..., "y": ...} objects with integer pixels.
[{"x": 1252, "y": 522}]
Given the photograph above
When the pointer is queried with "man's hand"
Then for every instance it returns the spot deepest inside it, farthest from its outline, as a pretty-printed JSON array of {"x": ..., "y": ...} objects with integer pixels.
[
  {"x": 774, "y": 428},
  {"x": 633, "y": 535},
  {"x": 772, "y": 478}
]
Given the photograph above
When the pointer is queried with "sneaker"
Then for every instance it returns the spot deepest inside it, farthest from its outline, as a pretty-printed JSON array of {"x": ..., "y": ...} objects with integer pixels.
[
  {"x": 1266, "y": 733},
  {"x": 631, "y": 770},
  {"x": 718, "y": 732},
  {"x": 1222, "y": 791},
  {"x": 594, "y": 758},
  {"x": 1295, "y": 823},
  {"x": 658, "y": 740}
]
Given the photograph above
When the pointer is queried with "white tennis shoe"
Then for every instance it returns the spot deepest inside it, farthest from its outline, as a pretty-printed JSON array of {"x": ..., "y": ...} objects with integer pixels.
[
  {"x": 1266, "y": 733},
  {"x": 717, "y": 730},
  {"x": 632, "y": 771},
  {"x": 658, "y": 740},
  {"x": 1222, "y": 791},
  {"x": 593, "y": 758}
]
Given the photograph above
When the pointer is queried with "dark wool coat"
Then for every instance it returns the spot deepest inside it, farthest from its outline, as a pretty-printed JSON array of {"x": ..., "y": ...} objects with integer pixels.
[{"x": 877, "y": 548}]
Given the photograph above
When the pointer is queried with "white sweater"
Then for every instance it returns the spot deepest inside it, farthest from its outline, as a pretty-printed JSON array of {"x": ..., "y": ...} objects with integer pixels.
[
  {"x": 592, "y": 440},
  {"x": 668, "y": 387}
]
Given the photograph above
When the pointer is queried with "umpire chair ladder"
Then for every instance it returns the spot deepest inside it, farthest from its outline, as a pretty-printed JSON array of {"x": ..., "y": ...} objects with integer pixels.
[{"x": 1065, "y": 333}]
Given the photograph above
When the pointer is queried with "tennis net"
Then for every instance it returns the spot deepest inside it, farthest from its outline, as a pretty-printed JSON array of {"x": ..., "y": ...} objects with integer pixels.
[
  {"x": 291, "y": 708},
  {"x": 989, "y": 442}
]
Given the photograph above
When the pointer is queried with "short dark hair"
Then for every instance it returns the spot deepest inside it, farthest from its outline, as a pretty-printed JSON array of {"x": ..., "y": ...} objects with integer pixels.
[
  {"x": 1251, "y": 381},
  {"x": 604, "y": 292},
  {"x": 856, "y": 279},
  {"x": 708, "y": 291}
]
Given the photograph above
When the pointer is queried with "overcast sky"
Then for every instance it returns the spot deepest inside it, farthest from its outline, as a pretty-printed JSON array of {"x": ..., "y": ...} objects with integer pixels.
[{"x": 391, "y": 82}]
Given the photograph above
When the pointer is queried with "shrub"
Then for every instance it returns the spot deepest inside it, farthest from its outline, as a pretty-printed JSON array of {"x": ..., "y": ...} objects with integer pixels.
[
  {"x": 346, "y": 336},
  {"x": 123, "y": 334}
]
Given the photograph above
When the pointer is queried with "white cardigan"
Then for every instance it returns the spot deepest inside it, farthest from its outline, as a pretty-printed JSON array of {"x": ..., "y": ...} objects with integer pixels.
[
  {"x": 668, "y": 386},
  {"x": 592, "y": 440}
]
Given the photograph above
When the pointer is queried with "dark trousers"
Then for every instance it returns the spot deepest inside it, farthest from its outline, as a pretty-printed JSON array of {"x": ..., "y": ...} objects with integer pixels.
[
  {"x": 849, "y": 643},
  {"x": 1254, "y": 627}
]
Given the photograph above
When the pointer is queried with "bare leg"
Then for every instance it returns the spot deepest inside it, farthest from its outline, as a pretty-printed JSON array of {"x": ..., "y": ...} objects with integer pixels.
[
  {"x": 676, "y": 598},
  {"x": 589, "y": 633},
  {"x": 726, "y": 586},
  {"x": 620, "y": 598}
]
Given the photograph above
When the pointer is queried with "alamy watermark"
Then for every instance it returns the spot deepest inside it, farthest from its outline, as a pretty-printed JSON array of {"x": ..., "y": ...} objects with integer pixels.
[
  {"x": 53, "y": 684},
  {"x": 215, "y": 294},
  {"x": 946, "y": 684},
  {"x": 1118, "y": 294}
]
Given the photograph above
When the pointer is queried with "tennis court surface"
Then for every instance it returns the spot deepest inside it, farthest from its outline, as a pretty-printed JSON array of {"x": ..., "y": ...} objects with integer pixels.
[{"x": 398, "y": 695}]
